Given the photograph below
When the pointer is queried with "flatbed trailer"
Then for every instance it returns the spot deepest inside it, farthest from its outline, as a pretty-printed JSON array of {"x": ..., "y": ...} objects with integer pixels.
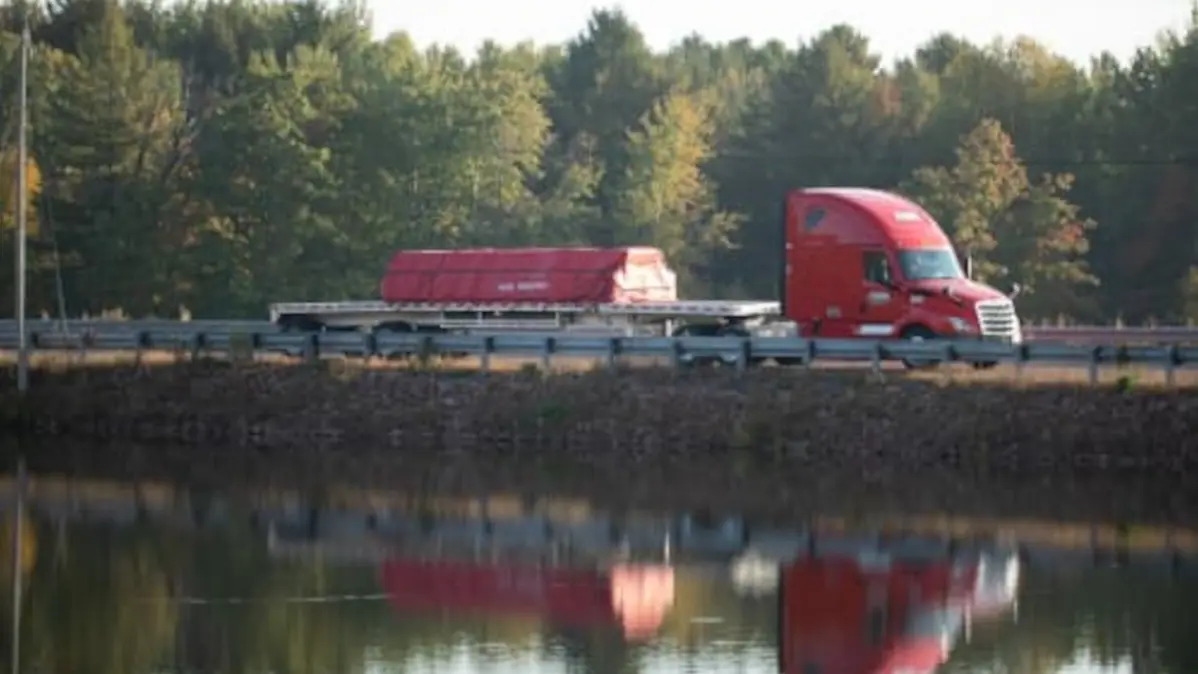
[{"x": 665, "y": 318}]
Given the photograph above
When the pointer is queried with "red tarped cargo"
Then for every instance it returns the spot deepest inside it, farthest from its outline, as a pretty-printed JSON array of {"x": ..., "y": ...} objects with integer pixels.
[{"x": 537, "y": 275}]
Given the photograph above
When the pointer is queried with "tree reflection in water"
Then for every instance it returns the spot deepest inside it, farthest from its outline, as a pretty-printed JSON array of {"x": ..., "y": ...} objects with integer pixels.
[{"x": 117, "y": 600}]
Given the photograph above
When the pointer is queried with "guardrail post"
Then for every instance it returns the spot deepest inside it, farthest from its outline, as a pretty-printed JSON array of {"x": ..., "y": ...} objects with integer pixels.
[
  {"x": 199, "y": 344},
  {"x": 425, "y": 350},
  {"x": 1172, "y": 360},
  {"x": 809, "y": 361},
  {"x": 1021, "y": 358},
  {"x": 952, "y": 355},
  {"x": 370, "y": 345},
  {"x": 547, "y": 350},
  {"x": 875, "y": 365},
  {"x": 676, "y": 352},
  {"x": 242, "y": 348},
  {"x": 312, "y": 347},
  {"x": 744, "y": 355},
  {"x": 1122, "y": 357},
  {"x": 1095, "y": 358},
  {"x": 145, "y": 340},
  {"x": 613, "y": 350},
  {"x": 485, "y": 356}
]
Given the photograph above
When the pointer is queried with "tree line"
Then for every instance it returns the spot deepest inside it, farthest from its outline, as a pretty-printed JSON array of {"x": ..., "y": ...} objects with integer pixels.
[{"x": 212, "y": 157}]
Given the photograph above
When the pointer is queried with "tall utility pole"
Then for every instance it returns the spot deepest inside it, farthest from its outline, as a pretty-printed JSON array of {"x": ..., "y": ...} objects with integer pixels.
[{"x": 22, "y": 198}]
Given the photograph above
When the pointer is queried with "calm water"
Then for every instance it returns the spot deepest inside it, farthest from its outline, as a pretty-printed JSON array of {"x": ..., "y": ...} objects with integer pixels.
[{"x": 155, "y": 580}]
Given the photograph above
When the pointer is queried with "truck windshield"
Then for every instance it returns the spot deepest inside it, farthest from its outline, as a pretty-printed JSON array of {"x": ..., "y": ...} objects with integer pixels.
[{"x": 921, "y": 264}]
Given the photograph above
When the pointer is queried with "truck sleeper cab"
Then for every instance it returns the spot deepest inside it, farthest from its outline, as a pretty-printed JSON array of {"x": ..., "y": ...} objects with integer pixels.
[{"x": 864, "y": 263}]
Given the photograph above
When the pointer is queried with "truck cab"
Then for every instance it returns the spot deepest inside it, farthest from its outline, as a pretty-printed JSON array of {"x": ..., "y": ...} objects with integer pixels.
[{"x": 864, "y": 263}]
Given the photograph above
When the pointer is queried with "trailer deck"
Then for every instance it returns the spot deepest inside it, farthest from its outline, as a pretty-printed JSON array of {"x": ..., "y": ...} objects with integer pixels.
[{"x": 510, "y": 315}]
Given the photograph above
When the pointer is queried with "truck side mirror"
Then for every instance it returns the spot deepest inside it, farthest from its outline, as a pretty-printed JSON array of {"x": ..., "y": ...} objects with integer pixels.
[{"x": 1015, "y": 290}]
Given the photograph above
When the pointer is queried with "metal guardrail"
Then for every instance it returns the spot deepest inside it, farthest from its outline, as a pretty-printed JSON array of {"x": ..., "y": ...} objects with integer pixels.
[
  {"x": 1079, "y": 334},
  {"x": 682, "y": 351},
  {"x": 1170, "y": 334},
  {"x": 8, "y": 325}
]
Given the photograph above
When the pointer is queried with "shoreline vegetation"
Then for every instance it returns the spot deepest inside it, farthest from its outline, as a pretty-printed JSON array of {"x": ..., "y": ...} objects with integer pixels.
[
  {"x": 770, "y": 441},
  {"x": 153, "y": 497}
]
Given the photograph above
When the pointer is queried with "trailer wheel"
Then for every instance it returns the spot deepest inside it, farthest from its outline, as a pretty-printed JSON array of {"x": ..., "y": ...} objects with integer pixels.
[
  {"x": 291, "y": 324},
  {"x": 918, "y": 333},
  {"x": 438, "y": 330},
  {"x": 688, "y": 360},
  {"x": 397, "y": 327},
  {"x": 711, "y": 330},
  {"x": 300, "y": 324}
]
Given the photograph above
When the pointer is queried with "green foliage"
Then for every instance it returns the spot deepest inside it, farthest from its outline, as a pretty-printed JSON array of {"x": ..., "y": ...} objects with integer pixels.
[
  {"x": 219, "y": 156},
  {"x": 1014, "y": 230}
]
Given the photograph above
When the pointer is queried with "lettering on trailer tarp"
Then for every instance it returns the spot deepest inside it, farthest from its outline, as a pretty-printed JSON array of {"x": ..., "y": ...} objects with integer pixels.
[{"x": 522, "y": 286}]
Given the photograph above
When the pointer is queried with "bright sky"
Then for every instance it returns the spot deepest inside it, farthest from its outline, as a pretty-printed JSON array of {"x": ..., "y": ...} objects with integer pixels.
[{"x": 1075, "y": 28}]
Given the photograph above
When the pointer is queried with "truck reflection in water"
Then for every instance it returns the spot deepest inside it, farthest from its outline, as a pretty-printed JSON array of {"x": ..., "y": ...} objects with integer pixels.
[
  {"x": 633, "y": 597},
  {"x": 859, "y": 614}
]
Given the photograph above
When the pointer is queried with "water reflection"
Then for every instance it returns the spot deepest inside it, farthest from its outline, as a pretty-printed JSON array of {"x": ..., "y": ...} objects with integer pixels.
[
  {"x": 464, "y": 589},
  {"x": 861, "y": 612}
]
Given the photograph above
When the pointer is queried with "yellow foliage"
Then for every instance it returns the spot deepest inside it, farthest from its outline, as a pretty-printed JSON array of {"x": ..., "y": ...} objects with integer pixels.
[
  {"x": 28, "y": 545},
  {"x": 8, "y": 188}
]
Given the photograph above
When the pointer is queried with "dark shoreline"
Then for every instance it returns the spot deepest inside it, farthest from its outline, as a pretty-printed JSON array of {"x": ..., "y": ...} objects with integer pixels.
[{"x": 773, "y": 443}]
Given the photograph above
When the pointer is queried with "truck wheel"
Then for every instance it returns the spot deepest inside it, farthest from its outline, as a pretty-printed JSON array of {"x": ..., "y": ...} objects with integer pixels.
[
  {"x": 697, "y": 330},
  {"x": 300, "y": 324},
  {"x": 291, "y": 324},
  {"x": 396, "y": 327},
  {"x": 918, "y": 333}
]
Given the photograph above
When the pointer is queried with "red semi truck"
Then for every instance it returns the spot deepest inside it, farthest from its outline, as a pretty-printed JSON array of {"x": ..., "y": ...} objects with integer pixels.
[{"x": 856, "y": 263}]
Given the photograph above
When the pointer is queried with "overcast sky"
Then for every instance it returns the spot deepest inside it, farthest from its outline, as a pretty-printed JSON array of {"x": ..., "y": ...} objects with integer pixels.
[{"x": 1075, "y": 28}]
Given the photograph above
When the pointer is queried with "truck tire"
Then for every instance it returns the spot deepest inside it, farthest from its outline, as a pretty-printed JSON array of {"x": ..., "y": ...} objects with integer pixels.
[
  {"x": 697, "y": 330},
  {"x": 438, "y": 330},
  {"x": 712, "y": 330},
  {"x": 918, "y": 333},
  {"x": 300, "y": 324},
  {"x": 396, "y": 327},
  {"x": 290, "y": 324}
]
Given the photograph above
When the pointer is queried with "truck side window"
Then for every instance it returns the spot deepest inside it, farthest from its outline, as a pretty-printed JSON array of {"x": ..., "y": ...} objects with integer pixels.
[
  {"x": 875, "y": 267},
  {"x": 813, "y": 218}
]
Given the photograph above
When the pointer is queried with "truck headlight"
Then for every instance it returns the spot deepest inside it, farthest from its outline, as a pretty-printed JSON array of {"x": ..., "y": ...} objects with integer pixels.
[{"x": 960, "y": 325}]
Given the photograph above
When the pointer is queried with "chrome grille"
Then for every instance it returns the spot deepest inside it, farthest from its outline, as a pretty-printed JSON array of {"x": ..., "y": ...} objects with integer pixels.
[{"x": 996, "y": 318}]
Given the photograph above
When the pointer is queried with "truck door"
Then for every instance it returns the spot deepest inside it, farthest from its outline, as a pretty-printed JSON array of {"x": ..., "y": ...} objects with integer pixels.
[{"x": 880, "y": 306}]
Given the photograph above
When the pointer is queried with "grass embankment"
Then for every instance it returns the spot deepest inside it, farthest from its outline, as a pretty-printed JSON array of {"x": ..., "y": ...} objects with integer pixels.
[{"x": 772, "y": 435}]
